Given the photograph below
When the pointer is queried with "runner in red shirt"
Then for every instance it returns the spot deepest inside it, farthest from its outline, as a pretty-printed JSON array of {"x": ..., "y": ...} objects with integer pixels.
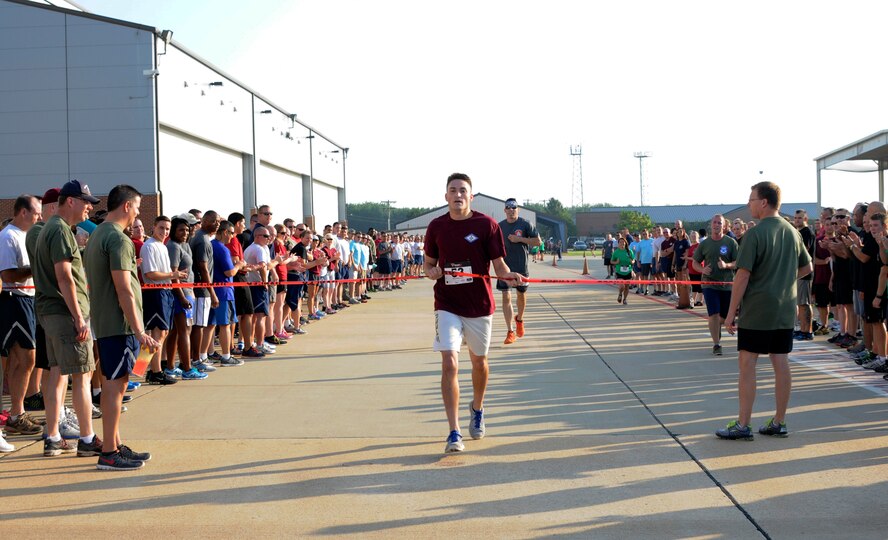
[{"x": 465, "y": 241}]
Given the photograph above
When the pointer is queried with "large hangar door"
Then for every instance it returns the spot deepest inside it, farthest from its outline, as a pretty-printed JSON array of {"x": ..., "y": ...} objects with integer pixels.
[
  {"x": 282, "y": 190},
  {"x": 199, "y": 174}
]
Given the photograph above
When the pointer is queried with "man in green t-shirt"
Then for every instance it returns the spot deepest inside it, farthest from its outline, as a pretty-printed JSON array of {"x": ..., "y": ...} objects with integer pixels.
[
  {"x": 770, "y": 261},
  {"x": 715, "y": 258},
  {"x": 63, "y": 313},
  {"x": 116, "y": 301}
]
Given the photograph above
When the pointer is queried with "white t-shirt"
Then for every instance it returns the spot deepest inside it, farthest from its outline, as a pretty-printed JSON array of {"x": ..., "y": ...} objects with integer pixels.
[
  {"x": 417, "y": 248},
  {"x": 398, "y": 253},
  {"x": 344, "y": 251},
  {"x": 255, "y": 254},
  {"x": 155, "y": 258},
  {"x": 13, "y": 256},
  {"x": 658, "y": 242}
]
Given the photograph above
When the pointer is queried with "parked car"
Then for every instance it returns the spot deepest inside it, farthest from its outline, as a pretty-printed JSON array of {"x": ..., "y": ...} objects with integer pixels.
[
  {"x": 579, "y": 245},
  {"x": 597, "y": 242}
]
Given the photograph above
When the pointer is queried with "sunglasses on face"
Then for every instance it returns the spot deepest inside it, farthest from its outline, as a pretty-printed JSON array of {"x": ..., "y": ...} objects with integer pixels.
[
  {"x": 265, "y": 235},
  {"x": 840, "y": 216},
  {"x": 267, "y": 213}
]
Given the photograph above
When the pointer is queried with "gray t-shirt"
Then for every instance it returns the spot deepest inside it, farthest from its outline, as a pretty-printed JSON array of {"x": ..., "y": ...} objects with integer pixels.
[
  {"x": 201, "y": 251},
  {"x": 180, "y": 259},
  {"x": 516, "y": 252}
]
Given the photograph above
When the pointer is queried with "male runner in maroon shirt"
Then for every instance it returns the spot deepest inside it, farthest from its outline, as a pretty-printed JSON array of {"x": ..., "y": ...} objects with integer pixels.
[{"x": 464, "y": 241}]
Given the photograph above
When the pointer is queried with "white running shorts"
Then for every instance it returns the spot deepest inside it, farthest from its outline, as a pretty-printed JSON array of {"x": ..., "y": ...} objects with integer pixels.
[{"x": 450, "y": 330}]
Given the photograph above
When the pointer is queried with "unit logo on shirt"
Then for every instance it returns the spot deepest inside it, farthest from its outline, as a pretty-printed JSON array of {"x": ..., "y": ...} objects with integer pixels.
[
  {"x": 471, "y": 238},
  {"x": 723, "y": 250},
  {"x": 519, "y": 233}
]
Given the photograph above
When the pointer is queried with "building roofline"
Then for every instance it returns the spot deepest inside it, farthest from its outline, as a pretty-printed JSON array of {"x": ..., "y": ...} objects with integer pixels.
[{"x": 86, "y": 14}]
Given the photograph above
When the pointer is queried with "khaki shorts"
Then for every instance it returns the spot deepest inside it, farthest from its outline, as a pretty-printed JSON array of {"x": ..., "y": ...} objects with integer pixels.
[{"x": 62, "y": 348}]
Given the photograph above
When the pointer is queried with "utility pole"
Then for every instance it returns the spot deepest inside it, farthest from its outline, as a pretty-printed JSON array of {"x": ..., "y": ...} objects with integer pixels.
[
  {"x": 641, "y": 156},
  {"x": 389, "y": 222}
]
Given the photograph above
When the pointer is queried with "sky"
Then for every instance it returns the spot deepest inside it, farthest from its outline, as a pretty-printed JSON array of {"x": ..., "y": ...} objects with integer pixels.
[{"x": 722, "y": 94}]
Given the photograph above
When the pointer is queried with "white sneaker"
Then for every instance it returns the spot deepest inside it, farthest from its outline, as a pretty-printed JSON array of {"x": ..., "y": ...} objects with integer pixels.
[
  {"x": 5, "y": 447},
  {"x": 266, "y": 348}
]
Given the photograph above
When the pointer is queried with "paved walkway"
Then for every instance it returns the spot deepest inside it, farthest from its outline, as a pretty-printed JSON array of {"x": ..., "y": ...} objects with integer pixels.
[{"x": 600, "y": 425}]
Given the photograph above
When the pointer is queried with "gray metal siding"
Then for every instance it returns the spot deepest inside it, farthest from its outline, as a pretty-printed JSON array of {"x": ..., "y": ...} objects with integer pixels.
[{"x": 74, "y": 102}]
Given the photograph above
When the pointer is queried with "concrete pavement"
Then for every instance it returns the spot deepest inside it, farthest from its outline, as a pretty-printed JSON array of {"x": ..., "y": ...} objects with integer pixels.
[{"x": 600, "y": 424}]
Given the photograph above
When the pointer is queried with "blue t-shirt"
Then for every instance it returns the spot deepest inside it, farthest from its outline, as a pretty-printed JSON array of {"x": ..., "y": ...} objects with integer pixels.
[
  {"x": 221, "y": 263},
  {"x": 645, "y": 251}
]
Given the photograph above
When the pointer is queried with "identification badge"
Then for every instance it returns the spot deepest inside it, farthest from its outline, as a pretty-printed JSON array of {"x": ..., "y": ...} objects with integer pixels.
[{"x": 450, "y": 279}]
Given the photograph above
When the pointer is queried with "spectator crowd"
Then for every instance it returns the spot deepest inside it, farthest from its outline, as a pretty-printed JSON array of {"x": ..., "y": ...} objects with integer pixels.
[{"x": 186, "y": 294}]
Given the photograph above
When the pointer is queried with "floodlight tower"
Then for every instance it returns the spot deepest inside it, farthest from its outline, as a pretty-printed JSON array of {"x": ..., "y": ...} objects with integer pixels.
[
  {"x": 641, "y": 156},
  {"x": 576, "y": 198}
]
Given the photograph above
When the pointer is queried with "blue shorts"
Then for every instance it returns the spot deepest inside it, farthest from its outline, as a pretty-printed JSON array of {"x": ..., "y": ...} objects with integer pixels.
[
  {"x": 295, "y": 292},
  {"x": 224, "y": 314},
  {"x": 157, "y": 308},
  {"x": 717, "y": 302},
  {"x": 117, "y": 355},
  {"x": 417, "y": 259},
  {"x": 260, "y": 299},
  {"x": 396, "y": 266},
  {"x": 18, "y": 321},
  {"x": 177, "y": 307}
]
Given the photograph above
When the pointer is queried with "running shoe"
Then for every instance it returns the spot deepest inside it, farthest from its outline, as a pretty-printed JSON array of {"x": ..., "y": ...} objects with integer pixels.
[
  {"x": 290, "y": 328},
  {"x": 620, "y": 298},
  {"x": 734, "y": 431},
  {"x": 116, "y": 462},
  {"x": 194, "y": 375},
  {"x": 836, "y": 338},
  {"x": 859, "y": 347},
  {"x": 625, "y": 302},
  {"x": 267, "y": 348},
  {"x": 876, "y": 362},
  {"x": 56, "y": 448},
  {"x": 90, "y": 449},
  {"x": 23, "y": 425},
  {"x": 68, "y": 429},
  {"x": 237, "y": 351},
  {"x": 34, "y": 402},
  {"x": 132, "y": 385},
  {"x": 717, "y": 350},
  {"x": 454, "y": 443},
  {"x": 128, "y": 453},
  {"x": 822, "y": 331},
  {"x": 214, "y": 358},
  {"x": 175, "y": 373},
  {"x": 253, "y": 352},
  {"x": 510, "y": 337},
  {"x": 159, "y": 377},
  {"x": 519, "y": 328},
  {"x": 275, "y": 340},
  {"x": 283, "y": 336},
  {"x": 96, "y": 412},
  {"x": 231, "y": 362},
  {"x": 698, "y": 304},
  {"x": 300, "y": 331},
  {"x": 5, "y": 447},
  {"x": 863, "y": 358},
  {"x": 203, "y": 367},
  {"x": 774, "y": 429},
  {"x": 476, "y": 424}
]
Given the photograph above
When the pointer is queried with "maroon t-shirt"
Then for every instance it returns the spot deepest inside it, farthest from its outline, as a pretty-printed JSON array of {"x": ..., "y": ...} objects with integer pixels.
[{"x": 472, "y": 242}]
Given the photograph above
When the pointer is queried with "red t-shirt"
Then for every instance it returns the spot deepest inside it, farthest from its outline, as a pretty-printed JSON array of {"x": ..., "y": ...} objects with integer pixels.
[
  {"x": 281, "y": 249},
  {"x": 330, "y": 253},
  {"x": 690, "y": 255},
  {"x": 237, "y": 251},
  {"x": 474, "y": 243}
]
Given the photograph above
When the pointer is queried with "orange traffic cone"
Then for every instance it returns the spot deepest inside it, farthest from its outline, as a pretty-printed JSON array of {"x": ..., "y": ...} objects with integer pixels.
[
  {"x": 585, "y": 267},
  {"x": 554, "y": 263}
]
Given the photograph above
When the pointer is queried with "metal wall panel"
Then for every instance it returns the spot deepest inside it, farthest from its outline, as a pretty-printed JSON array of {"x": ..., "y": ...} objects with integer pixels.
[
  {"x": 280, "y": 189},
  {"x": 195, "y": 174},
  {"x": 326, "y": 204}
]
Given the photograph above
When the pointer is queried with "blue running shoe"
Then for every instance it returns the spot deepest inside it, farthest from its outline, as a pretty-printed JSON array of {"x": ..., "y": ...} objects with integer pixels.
[
  {"x": 454, "y": 443},
  {"x": 734, "y": 431},
  {"x": 194, "y": 375},
  {"x": 476, "y": 424},
  {"x": 177, "y": 373},
  {"x": 132, "y": 385}
]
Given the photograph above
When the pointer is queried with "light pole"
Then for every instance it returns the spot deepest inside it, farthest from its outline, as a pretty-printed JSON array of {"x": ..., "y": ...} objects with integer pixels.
[
  {"x": 389, "y": 221},
  {"x": 641, "y": 156}
]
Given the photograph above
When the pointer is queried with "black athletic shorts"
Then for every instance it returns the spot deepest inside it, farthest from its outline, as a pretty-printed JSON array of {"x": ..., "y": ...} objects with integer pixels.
[
  {"x": 764, "y": 341},
  {"x": 823, "y": 297}
]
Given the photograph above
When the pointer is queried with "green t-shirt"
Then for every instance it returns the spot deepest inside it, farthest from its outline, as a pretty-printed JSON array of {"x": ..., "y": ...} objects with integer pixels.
[
  {"x": 109, "y": 249},
  {"x": 710, "y": 251},
  {"x": 54, "y": 242},
  {"x": 773, "y": 252},
  {"x": 622, "y": 261}
]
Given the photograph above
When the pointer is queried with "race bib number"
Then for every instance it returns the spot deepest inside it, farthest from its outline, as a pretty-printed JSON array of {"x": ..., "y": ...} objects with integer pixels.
[
  {"x": 624, "y": 269},
  {"x": 450, "y": 279}
]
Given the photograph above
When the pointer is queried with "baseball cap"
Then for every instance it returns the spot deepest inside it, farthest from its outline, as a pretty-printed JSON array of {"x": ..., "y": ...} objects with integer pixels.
[
  {"x": 73, "y": 188},
  {"x": 511, "y": 203},
  {"x": 315, "y": 237},
  {"x": 51, "y": 196},
  {"x": 328, "y": 236},
  {"x": 189, "y": 218}
]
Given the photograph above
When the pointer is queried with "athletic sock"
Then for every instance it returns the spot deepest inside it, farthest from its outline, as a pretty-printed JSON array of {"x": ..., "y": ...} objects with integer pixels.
[
  {"x": 88, "y": 439},
  {"x": 203, "y": 356},
  {"x": 57, "y": 438},
  {"x": 226, "y": 356}
]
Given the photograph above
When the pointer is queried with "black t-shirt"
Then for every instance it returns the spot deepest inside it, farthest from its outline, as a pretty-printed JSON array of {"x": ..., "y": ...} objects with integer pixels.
[
  {"x": 299, "y": 250},
  {"x": 872, "y": 267},
  {"x": 808, "y": 241},
  {"x": 679, "y": 249},
  {"x": 516, "y": 253}
]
